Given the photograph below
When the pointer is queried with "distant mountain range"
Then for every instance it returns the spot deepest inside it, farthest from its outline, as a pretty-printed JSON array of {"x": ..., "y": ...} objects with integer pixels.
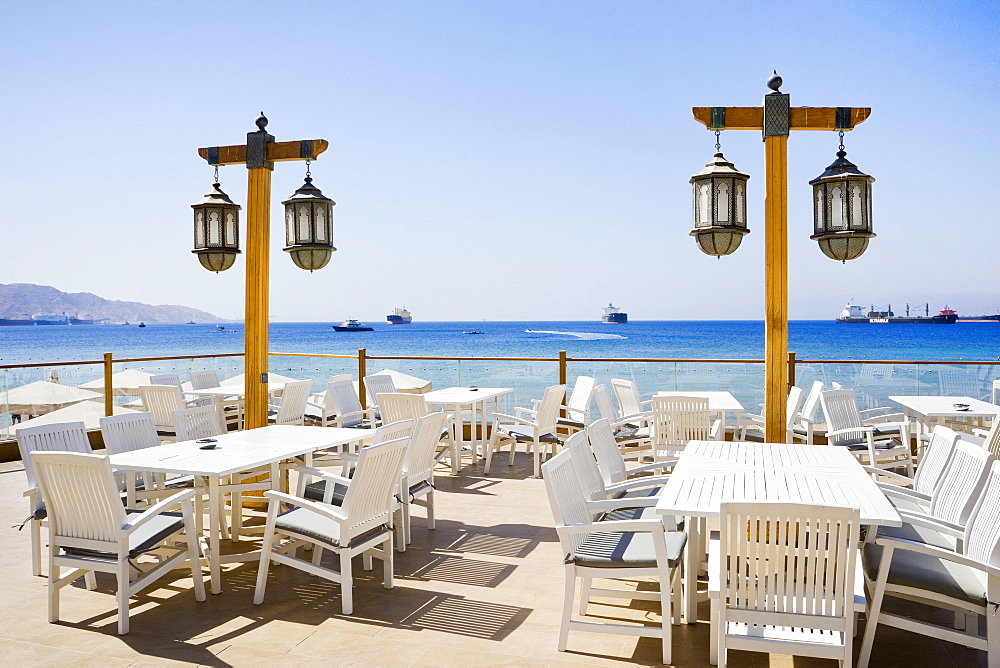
[{"x": 17, "y": 299}]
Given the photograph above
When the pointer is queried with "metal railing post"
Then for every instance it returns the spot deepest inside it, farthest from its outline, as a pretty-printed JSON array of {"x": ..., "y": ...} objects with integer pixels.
[
  {"x": 791, "y": 370},
  {"x": 562, "y": 367},
  {"x": 362, "y": 372},
  {"x": 109, "y": 399}
]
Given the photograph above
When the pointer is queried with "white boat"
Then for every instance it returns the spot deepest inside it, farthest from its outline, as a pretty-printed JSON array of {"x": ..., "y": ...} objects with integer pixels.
[{"x": 352, "y": 325}]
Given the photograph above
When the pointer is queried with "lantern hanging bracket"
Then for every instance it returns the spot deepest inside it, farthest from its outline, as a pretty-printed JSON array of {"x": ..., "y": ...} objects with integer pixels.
[
  {"x": 718, "y": 120},
  {"x": 844, "y": 119}
]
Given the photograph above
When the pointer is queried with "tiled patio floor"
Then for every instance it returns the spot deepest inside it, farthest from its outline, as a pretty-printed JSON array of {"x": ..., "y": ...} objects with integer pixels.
[{"x": 484, "y": 588}]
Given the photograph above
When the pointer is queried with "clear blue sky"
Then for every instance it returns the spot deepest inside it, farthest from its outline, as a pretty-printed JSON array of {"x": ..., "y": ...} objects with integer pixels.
[{"x": 501, "y": 160}]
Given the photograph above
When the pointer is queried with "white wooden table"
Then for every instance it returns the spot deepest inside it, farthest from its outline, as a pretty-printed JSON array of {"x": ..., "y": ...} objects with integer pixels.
[
  {"x": 223, "y": 392},
  {"x": 710, "y": 472},
  {"x": 928, "y": 410},
  {"x": 719, "y": 402},
  {"x": 235, "y": 452},
  {"x": 462, "y": 400}
]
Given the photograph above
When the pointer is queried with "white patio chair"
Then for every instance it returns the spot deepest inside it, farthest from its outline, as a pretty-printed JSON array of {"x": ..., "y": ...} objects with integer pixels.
[
  {"x": 916, "y": 493},
  {"x": 204, "y": 379},
  {"x": 615, "y": 549},
  {"x": 609, "y": 457},
  {"x": 167, "y": 379},
  {"x": 786, "y": 579},
  {"x": 991, "y": 437},
  {"x": 322, "y": 407},
  {"x": 67, "y": 436},
  {"x": 291, "y": 408},
  {"x": 628, "y": 435},
  {"x": 886, "y": 445},
  {"x": 678, "y": 420},
  {"x": 230, "y": 408},
  {"x": 162, "y": 401},
  {"x": 417, "y": 478},
  {"x": 752, "y": 427},
  {"x": 631, "y": 407},
  {"x": 575, "y": 415},
  {"x": 964, "y": 580},
  {"x": 397, "y": 406},
  {"x": 626, "y": 500},
  {"x": 90, "y": 530},
  {"x": 376, "y": 384},
  {"x": 350, "y": 413},
  {"x": 359, "y": 526},
  {"x": 806, "y": 427},
  {"x": 534, "y": 428}
]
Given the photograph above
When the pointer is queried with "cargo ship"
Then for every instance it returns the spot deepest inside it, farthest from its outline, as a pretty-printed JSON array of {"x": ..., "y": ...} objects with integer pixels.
[
  {"x": 614, "y": 316},
  {"x": 25, "y": 319},
  {"x": 857, "y": 314},
  {"x": 399, "y": 316},
  {"x": 46, "y": 319}
]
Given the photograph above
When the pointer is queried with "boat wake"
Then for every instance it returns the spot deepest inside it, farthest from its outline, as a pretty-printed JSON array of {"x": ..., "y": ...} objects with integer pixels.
[{"x": 586, "y": 336}]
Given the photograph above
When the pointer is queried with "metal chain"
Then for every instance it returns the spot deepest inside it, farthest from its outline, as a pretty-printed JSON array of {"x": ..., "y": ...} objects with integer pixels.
[
  {"x": 717, "y": 144},
  {"x": 841, "y": 148},
  {"x": 308, "y": 174},
  {"x": 216, "y": 173}
]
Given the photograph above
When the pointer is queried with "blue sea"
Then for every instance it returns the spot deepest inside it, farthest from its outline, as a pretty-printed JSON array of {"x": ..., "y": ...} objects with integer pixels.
[{"x": 724, "y": 340}]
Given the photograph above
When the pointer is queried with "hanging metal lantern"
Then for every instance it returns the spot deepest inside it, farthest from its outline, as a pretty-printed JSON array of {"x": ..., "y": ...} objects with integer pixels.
[
  {"x": 309, "y": 226},
  {"x": 216, "y": 229},
  {"x": 842, "y": 208},
  {"x": 720, "y": 204}
]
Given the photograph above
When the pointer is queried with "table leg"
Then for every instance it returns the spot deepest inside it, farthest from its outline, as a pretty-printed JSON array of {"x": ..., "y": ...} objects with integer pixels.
[
  {"x": 458, "y": 434},
  {"x": 692, "y": 564},
  {"x": 213, "y": 534}
]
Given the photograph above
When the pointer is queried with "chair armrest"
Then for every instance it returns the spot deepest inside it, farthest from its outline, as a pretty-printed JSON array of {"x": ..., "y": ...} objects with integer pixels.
[
  {"x": 934, "y": 551},
  {"x": 34, "y": 491},
  {"x": 512, "y": 418},
  {"x": 889, "y": 474},
  {"x": 883, "y": 420},
  {"x": 652, "y": 467},
  {"x": 158, "y": 508},
  {"x": 363, "y": 412},
  {"x": 333, "y": 512},
  {"x": 313, "y": 404},
  {"x": 518, "y": 411},
  {"x": 903, "y": 494},
  {"x": 875, "y": 412},
  {"x": 867, "y": 429},
  {"x": 933, "y": 523},
  {"x": 635, "y": 417},
  {"x": 607, "y": 505},
  {"x": 716, "y": 430},
  {"x": 324, "y": 475},
  {"x": 638, "y": 483},
  {"x": 610, "y": 526}
]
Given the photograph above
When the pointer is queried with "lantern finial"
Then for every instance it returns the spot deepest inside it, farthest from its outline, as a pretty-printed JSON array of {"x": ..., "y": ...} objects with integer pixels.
[
  {"x": 261, "y": 121},
  {"x": 774, "y": 81}
]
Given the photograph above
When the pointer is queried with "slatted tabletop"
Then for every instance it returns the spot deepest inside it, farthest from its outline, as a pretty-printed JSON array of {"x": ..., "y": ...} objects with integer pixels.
[
  {"x": 712, "y": 472},
  {"x": 236, "y": 451}
]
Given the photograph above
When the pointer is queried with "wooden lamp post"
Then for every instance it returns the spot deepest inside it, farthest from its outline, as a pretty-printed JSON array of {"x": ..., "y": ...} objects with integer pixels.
[
  {"x": 259, "y": 155},
  {"x": 775, "y": 119}
]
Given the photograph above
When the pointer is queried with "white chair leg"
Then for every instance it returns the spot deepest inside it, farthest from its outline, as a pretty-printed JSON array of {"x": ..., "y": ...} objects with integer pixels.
[
  {"x": 585, "y": 583},
  {"x": 265, "y": 561},
  {"x": 90, "y": 580},
  {"x": 346, "y": 583},
  {"x": 665, "y": 621},
  {"x": 54, "y": 573},
  {"x": 387, "y": 563},
  {"x": 567, "y": 612},
  {"x": 430, "y": 509},
  {"x": 123, "y": 591},
  {"x": 406, "y": 512},
  {"x": 36, "y": 547}
]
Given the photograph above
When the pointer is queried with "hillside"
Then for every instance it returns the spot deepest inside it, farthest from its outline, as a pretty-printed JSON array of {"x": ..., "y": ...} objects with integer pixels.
[{"x": 20, "y": 298}]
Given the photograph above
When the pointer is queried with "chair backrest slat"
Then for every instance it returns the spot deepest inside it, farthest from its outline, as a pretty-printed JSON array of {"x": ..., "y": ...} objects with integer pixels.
[
  {"x": 395, "y": 406},
  {"x": 393, "y": 431},
  {"x": 167, "y": 379},
  {"x": 841, "y": 410},
  {"x": 419, "y": 462},
  {"x": 548, "y": 409},
  {"x": 292, "y": 408},
  {"x": 811, "y": 402},
  {"x": 604, "y": 404},
  {"x": 606, "y": 451},
  {"x": 935, "y": 461},
  {"x": 194, "y": 423},
  {"x": 162, "y": 401},
  {"x": 369, "y": 498},
  {"x": 204, "y": 379},
  {"x": 982, "y": 534},
  {"x": 71, "y": 436},
  {"x": 627, "y": 395},
  {"x": 956, "y": 494},
  {"x": 80, "y": 495},
  {"x": 128, "y": 432},
  {"x": 585, "y": 465},
  {"x": 578, "y": 406},
  {"x": 345, "y": 400},
  {"x": 565, "y": 498},
  {"x": 678, "y": 420},
  {"x": 379, "y": 383}
]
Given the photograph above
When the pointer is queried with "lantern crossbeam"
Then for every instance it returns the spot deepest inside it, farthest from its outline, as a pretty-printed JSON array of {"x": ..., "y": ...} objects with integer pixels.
[
  {"x": 801, "y": 118},
  {"x": 307, "y": 149}
]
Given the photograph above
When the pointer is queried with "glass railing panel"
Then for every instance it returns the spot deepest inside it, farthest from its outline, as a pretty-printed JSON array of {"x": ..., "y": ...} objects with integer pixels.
[
  {"x": 319, "y": 368},
  {"x": 48, "y": 392}
]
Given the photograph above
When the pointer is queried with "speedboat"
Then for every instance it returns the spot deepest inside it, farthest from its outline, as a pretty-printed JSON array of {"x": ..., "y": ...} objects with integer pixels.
[{"x": 352, "y": 325}]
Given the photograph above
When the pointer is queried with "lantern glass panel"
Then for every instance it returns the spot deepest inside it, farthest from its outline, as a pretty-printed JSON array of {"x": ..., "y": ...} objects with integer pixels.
[
  {"x": 289, "y": 226},
  {"x": 214, "y": 227},
  {"x": 321, "y": 224},
  {"x": 199, "y": 229},
  {"x": 704, "y": 205},
  {"x": 740, "y": 199},
  {"x": 837, "y": 206},
  {"x": 304, "y": 233},
  {"x": 722, "y": 198},
  {"x": 819, "y": 209}
]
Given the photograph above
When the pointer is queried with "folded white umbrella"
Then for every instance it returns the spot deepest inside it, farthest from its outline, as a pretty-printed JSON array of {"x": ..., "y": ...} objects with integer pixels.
[
  {"x": 125, "y": 383},
  {"x": 271, "y": 378},
  {"x": 42, "y": 397},
  {"x": 88, "y": 412},
  {"x": 404, "y": 382}
]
